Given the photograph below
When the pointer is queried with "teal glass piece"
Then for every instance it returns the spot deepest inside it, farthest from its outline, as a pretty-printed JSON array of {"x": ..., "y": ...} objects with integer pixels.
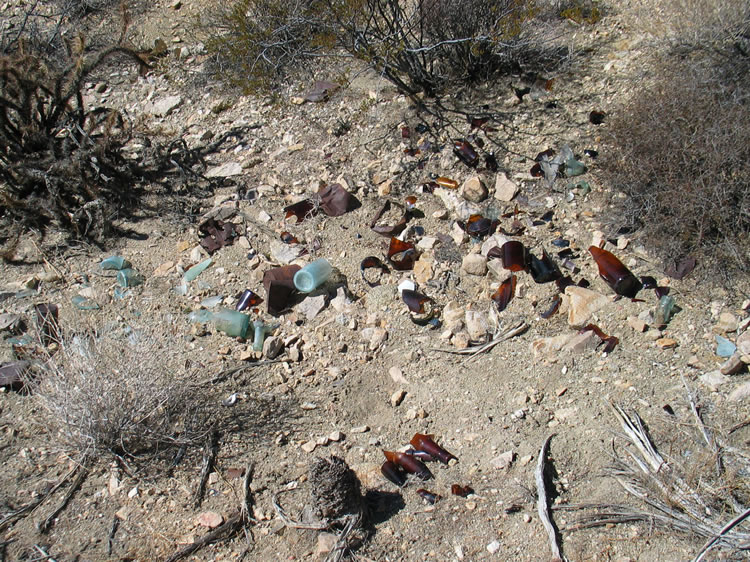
[
  {"x": 231, "y": 322},
  {"x": 724, "y": 347},
  {"x": 196, "y": 270},
  {"x": 574, "y": 167},
  {"x": 129, "y": 278},
  {"x": 261, "y": 331},
  {"x": 82, "y": 303},
  {"x": 115, "y": 262},
  {"x": 312, "y": 276},
  {"x": 665, "y": 310}
]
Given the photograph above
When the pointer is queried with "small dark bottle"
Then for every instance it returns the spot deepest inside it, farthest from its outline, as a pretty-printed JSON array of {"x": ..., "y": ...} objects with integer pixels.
[
  {"x": 614, "y": 272},
  {"x": 465, "y": 153}
]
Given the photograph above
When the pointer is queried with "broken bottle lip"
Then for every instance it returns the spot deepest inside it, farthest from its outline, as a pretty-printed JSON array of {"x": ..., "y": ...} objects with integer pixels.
[{"x": 313, "y": 275}]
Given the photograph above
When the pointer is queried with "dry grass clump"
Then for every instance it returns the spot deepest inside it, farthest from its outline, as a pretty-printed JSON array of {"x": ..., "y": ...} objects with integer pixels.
[
  {"x": 680, "y": 148},
  {"x": 112, "y": 391}
]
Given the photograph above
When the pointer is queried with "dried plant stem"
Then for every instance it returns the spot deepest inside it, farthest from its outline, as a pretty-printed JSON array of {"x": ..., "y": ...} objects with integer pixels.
[
  {"x": 210, "y": 451},
  {"x": 289, "y": 522},
  {"x": 31, "y": 506},
  {"x": 226, "y": 530},
  {"x": 542, "y": 505},
  {"x": 45, "y": 525},
  {"x": 728, "y": 527},
  {"x": 501, "y": 337}
]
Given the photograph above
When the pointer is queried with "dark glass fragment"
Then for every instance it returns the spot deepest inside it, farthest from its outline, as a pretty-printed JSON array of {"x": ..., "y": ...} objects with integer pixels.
[
  {"x": 248, "y": 298},
  {"x": 491, "y": 162},
  {"x": 393, "y": 473},
  {"x": 552, "y": 309},
  {"x": 426, "y": 443},
  {"x": 543, "y": 270},
  {"x": 428, "y": 496},
  {"x": 409, "y": 464},
  {"x": 465, "y": 152},
  {"x": 591, "y": 153},
  {"x": 461, "y": 491},
  {"x": 288, "y": 238},
  {"x": 402, "y": 255},
  {"x": 415, "y": 301},
  {"x": 421, "y": 455},
  {"x": 372, "y": 262},
  {"x": 610, "y": 342},
  {"x": 478, "y": 226},
  {"x": 514, "y": 256},
  {"x": 504, "y": 293},
  {"x": 279, "y": 285},
  {"x": 597, "y": 117},
  {"x": 614, "y": 272},
  {"x": 389, "y": 230}
]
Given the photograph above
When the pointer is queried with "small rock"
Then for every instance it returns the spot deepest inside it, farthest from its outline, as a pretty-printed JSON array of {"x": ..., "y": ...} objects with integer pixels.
[
  {"x": 226, "y": 170},
  {"x": 733, "y": 365},
  {"x": 375, "y": 336},
  {"x": 164, "y": 106},
  {"x": 504, "y": 460},
  {"x": 580, "y": 343},
  {"x": 423, "y": 270},
  {"x": 526, "y": 459},
  {"x": 210, "y": 519},
  {"x": 398, "y": 397},
  {"x": 583, "y": 304},
  {"x": 309, "y": 446},
  {"x": 133, "y": 492},
  {"x": 474, "y": 264},
  {"x": 505, "y": 189},
  {"x": 285, "y": 253},
  {"x": 743, "y": 342},
  {"x": 544, "y": 346},
  {"x": 714, "y": 379},
  {"x": 667, "y": 343},
  {"x": 427, "y": 243},
  {"x": 335, "y": 436},
  {"x": 727, "y": 323},
  {"x": 724, "y": 347},
  {"x": 326, "y": 544},
  {"x": 477, "y": 324},
  {"x": 637, "y": 324},
  {"x": 361, "y": 429},
  {"x": 493, "y": 547},
  {"x": 164, "y": 269},
  {"x": 474, "y": 190},
  {"x": 461, "y": 340},
  {"x": 312, "y": 306},
  {"x": 272, "y": 346},
  {"x": 740, "y": 393},
  {"x": 397, "y": 375},
  {"x": 496, "y": 240}
]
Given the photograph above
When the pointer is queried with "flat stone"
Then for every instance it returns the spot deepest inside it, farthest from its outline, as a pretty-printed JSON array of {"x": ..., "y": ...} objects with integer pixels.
[
  {"x": 423, "y": 271},
  {"x": 309, "y": 446},
  {"x": 545, "y": 346},
  {"x": 743, "y": 343},
  {"x": 210, "y": 519},
  {"x": 335, "y": 436},
  {"x": 733, "y": 365},
  {"x": 427, "y": 243},
  {"x": 474, "y": 264},
  {"x": 474, "y": 190},
  {"x": 740, "y": 393},
  {"x": 376, "y": 336},
  {"x": 397, "y": 375},
  {"x": 503, "y": 460},
  {"x": 312, "y": 306},
  {"x": 583, "y": 304},
  {"x": 477, "y": 324},
  {"x": 505, "y": 189},
  {"x": 667, "y": 343},
  {"x": 637, "y": 324},
  {"x": 361, "y": 429},
  {"x": 727, "y": 323},
  {"x": 225, "y": 170},
  {"x": 493, "y": 547},
  {"x": 580, "y": 343},
  {"x": 713, "y": 379},
  {"x": 164, "y": 269},
  {"x": 326, "y": 544},
  {"x": 164, "y": 106}
]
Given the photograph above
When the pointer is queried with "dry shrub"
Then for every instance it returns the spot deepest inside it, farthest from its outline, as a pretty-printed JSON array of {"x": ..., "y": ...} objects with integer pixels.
[
  {"x": 119, "y": 391},
  {"x": 421, "y": 46},
  {"x": 680, "y": 150}
]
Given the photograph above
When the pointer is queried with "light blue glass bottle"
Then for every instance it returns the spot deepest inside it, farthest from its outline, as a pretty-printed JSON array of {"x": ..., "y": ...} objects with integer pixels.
[{"x": 312, "y": 276}]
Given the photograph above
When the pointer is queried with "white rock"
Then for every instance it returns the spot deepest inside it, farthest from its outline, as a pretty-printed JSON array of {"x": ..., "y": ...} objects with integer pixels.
[
  {"x": 225, "y": 170},
  {"x": 503, "y": 460},
  {"x": 493, "y": 547},
  {"x": 505, "y": 189},
  {"x": 474, "y": 190},
  {"x": 164, "y": 106},
  {"x": 714, "y": 379},
  {"x": 474, "y": 264},
  {"x": 583, "y": 303},
  {"x": 397, "y": 375},
  {"x": 740, "y": 393}
]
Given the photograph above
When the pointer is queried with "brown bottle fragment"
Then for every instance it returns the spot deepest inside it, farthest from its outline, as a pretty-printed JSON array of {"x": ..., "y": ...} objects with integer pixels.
[
  {"x": 426, "y": 443},
  {"x": 465, "y": 152},
  {"x": 614, "y": 272}
]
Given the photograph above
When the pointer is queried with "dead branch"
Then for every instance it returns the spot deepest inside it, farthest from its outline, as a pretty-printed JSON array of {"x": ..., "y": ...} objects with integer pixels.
[
  {"x": 210, "y": 450},
  {"x": 542, "y": 505},
  {"x": 45, "y": 525}
]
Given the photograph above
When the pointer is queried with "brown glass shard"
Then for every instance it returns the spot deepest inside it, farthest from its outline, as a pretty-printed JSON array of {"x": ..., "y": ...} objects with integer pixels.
[
  {"x": 614, "y": 272},
  {"x": 543, "y": 270},
  {"x": 216, "y": 234},
  {"x": 681, "y": 269},
  {"x": 372, "y": 262},
  {"x": 610, "y": 342},
  {"x": 288, "y": 238},
  {"x": 447, "y": 182},
  {"x": 430, "y": 186},
  {"x": 536, "y": 171},
  {"x": 336, "y": 201},
  {"x": 597, "y": 117},
  {"x": 409, "y": 464},
  {"x": 401, "y": 255},
  {"x": 385, "y": 229},
  {"x": 465, "y": 152},
  {"x": 392, "y": 472},
  {"x": 279, "y": 285},
  {"x": 478, "y": 226},
  {"x": 513, "y": 255},
  {"x": 415, "y": 301},
  {"x": 461, "y": 491},
  {"x": 321, "y": 91},
  {"x": 302, "y": 210},
  {"x": 426, "y": 443},
  {"x": 504, "y": 293},
  {"x": 552, "y": 309},
  {"x": 421, "y": 455},
  {"x": 428, "y": 496},
  {"x": 247, "y": 299}
]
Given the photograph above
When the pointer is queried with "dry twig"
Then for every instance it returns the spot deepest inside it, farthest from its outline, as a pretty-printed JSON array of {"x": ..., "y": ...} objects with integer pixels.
[
  {"x": 45, "y": 525},
  {"x": 473, "y": 352},
  {"x": 542, "y": 505}
]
